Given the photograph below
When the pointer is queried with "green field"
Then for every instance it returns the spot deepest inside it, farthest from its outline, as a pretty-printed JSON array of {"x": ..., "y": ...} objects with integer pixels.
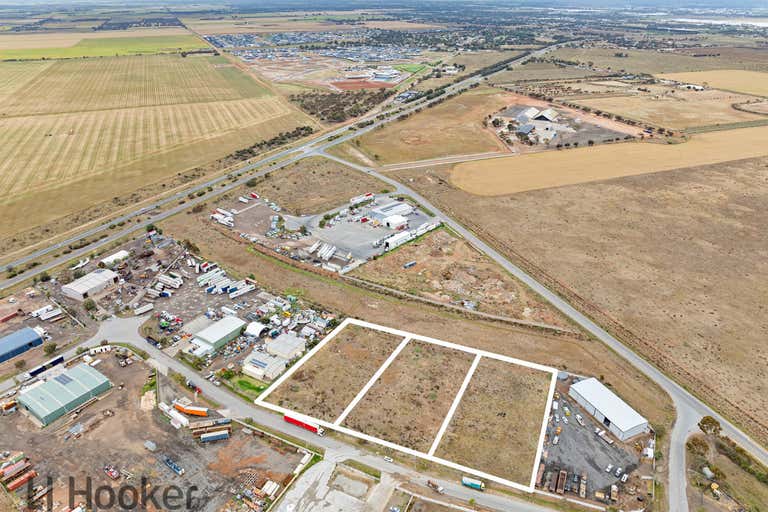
[
  {"x": 410, "y": 68},
  {"x": 109, "y": 47}
]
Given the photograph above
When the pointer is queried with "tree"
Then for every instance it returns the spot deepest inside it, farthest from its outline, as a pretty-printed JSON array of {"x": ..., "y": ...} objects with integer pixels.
[
  {"x": 20, "y": 364},
  {"x": 710, "y": 426},
  {"x": 49, "y": 348},
  {"x": 89, "y": 305}
]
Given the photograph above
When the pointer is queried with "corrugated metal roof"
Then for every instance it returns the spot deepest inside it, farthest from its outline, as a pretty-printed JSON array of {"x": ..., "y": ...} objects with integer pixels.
[
  {"x": 18, "y": 339},
  {"x": 610, "y": 405},
  {"x": 220, "y": 329},
  {"x": 90, "y": 281},
  {"x": 63, "y": 390}
]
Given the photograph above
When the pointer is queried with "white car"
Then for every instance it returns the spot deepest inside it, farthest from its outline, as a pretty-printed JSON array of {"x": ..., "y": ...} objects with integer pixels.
[
  {"x": 609, "y": 468},
  {"x": 557, "y": 418},
  {"x": 565, "y": 420},
  {"x": 618, "y": 472},
  {"x": 389, "y": 459}
]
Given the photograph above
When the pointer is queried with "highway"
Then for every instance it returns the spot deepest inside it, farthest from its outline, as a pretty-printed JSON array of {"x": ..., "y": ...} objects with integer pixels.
[
  {"x": 689, "y": 408},
  {"x": 262, "y": 166}
]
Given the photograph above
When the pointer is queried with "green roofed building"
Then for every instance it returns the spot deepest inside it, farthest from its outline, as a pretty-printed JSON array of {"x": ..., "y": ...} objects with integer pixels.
[{"x": 63, "y": 393}]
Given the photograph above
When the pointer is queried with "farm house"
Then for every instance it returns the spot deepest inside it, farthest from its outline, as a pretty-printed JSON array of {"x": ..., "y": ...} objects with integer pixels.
[
  {"x": 619, "y": 418},
  {"x": 20, "y": 341},
  {"x": 63, "y": 393},
  {"x": 90, "y": 284}
]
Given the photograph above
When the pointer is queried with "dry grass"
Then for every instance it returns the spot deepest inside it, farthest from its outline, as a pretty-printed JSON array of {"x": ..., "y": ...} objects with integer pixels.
[
  {"x": 36, "y": 40},
  {"x": 514, "y": 174},
  {"x": 80, "y": 132},
  {"x": 678, "y": 110},
  {"x": 328, "y": 382},
  {"x": 408, "y": 404},
  {"x": 449, "y": 269},
  {"x": 451, "y": 128},
  {"x": 497, "y": 424},
  {"x": 747, "y": 82},
  {"x": 331, "y": 185},
  {"x": 673, "y": 257},
  {"x": 540, "y": 71}
]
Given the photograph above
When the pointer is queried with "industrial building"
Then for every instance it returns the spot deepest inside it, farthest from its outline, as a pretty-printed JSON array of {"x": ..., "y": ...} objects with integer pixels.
[
  {"x": 255, "y": 329},
  {"x": 90, "y": 284},
  {"x": 396, "y": 222},
  {"x": 59, "y": 395},
  {"x": 287, "y": 345},
  {"x": 216, "y": 335},
  {"x": 115, "y": 258},
  {"x": 20, "y": 341},
  {"x": 388, "y": 210},
  {"x": 619, "y": 418},
  {"x": 264, "y": 366}
]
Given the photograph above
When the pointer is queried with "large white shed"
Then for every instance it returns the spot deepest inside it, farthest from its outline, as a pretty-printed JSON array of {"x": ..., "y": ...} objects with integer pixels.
[
  {"x": 90, "y": 284},
  {"x": 613, "y": 412}
]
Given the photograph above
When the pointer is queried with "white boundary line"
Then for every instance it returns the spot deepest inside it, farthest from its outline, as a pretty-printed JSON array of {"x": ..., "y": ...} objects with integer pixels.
[
  {"x": 261, "y": 400},
  {"x": 371, "y": 382},
  {"x": 454, "y": 405}
]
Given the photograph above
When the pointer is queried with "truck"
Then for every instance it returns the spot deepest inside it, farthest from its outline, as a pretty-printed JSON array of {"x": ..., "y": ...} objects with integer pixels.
[
  {"x": 473, "y": 483},
  {"x": 173, "y": 466},
  {"x": 435, "y": 487},
  {"x": 583, "y": 485},
  {"x": 561, "y": 479},
  {"x": 305, "y": 424}
]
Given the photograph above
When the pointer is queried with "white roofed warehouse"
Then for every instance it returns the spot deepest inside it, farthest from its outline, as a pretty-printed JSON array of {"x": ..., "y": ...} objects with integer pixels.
[
  {"x": 619, "y": 418},
  {"x": 90, "y": 284},
  {"x": 218, "y": 334}
]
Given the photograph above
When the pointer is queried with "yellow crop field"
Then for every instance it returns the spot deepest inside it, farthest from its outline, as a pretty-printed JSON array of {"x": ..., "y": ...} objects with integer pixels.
[
  {"x": 501, "y": 176},
  {"x": 71, "y": 142},
  {"x": 747, "y": 82}
]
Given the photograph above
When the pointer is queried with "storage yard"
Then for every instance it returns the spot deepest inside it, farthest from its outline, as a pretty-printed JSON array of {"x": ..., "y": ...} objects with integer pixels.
[{"x": 127, "y": 436}]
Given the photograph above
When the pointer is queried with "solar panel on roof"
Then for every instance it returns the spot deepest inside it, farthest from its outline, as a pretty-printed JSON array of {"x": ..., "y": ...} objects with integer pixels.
[{"x": 62, "y": 379}]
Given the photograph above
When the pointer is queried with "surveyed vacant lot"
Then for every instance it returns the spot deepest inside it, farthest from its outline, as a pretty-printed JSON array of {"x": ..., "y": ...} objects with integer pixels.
[
  {"x": 328, "y": 382},
  {"x": 748, "y": 82},
  {"x": 450, "y": 270},
  {"x": 80, "y": 132},
  {"x": 315, "y": 185},
  {"x": 501, "y": 176},
  {"x": 497, "y": 424},
  {"x": 409, "y": 402},
  {"x": 678, "y": 109},
  {"x": 671, "y": 268},
  {"x": 541, "y": 71},
  {"x": 454, "y": 127}
]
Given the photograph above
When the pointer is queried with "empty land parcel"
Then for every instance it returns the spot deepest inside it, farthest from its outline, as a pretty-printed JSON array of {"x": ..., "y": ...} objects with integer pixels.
[
  {"x": 748, "y": 82},
  {"x": 454, "y": 127},
  {"x": 671, "y": 267},
  {"x": 79, "y": 132},
  {"x": 426, "y": 389},
  {"x": 501, "y": 176}
]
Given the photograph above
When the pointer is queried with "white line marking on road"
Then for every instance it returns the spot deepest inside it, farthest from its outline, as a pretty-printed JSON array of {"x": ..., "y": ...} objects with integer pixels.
[{"x": 455, "y": 404}]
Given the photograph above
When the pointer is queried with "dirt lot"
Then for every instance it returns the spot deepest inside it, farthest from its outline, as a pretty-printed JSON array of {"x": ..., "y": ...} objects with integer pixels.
[
  {"x": 454, "y": 127},
  {"x": 117, "y": 437},
  {"x": 316, "y": 185},
  {"x": 450, "y": 270},
  {"x": 501, "y": 176},
  {"x": 540, "y": 71},
  {"x": 409, "y": 402},
  {"x": 677, "y": 109},
  {"x": 497, "y": 425},
  {"x": 581, "y": 356},
  {"x": 330, "y": 380},
  {"x": 748, "y": 82},
  {"x": 671, "y": 267}
]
